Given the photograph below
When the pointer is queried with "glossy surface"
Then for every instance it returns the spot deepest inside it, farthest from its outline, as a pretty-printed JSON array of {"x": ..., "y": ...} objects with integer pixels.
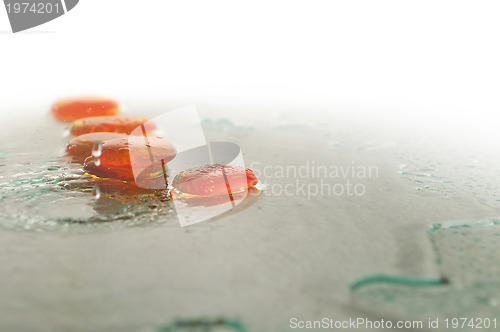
[
  {"x": 119, "y": 157},
  {"x": 214, "y": 180},
  {"x": 466, "y": 255},
  {"x": 81, "y": 146},
  {"x": 71, "y": 109},
  {"x": 69, "y": 250},
  {"x": 112, "y": 124}
]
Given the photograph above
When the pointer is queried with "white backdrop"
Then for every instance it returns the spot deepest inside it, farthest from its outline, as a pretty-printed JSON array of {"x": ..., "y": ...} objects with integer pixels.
[
  {"x": 437, "y": 57},
  {"x": 429, "y": 63}
]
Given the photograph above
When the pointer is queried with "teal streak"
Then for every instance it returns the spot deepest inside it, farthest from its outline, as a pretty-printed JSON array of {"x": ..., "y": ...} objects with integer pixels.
[{"x": 406, "y": 281}]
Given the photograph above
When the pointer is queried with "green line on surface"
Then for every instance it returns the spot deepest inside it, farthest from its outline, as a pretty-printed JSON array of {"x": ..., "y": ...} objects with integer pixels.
[{"x": 406, "y": 281}]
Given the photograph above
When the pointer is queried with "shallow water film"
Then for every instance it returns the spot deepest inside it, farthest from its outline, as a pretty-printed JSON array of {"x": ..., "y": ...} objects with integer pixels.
[
  {"x": 467, "y": 255},
  {"x": 41, "y": 189},
  {"x": 103, "y": 255}
]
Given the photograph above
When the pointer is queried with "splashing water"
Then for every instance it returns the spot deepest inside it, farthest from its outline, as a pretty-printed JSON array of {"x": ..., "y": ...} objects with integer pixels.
[
  {"x": 42, "y": 190},
  {"x": 44, "y": 195}
]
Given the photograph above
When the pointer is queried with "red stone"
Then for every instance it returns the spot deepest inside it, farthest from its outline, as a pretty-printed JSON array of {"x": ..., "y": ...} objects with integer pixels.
[
  {"x": 81, "y": 146},
  {"x": 214, "y": 180},
  {"x": 119, "y": 158},
  {"x": 71, "y": 109},
  {"x": 112, "y": 124}
]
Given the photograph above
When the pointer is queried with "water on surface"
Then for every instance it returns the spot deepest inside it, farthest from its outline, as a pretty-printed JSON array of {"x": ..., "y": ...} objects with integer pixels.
[
  {"x": 95, "y": 264},
  {"x": 44, "y": 190},
  {"x": 467, "y": 255}
]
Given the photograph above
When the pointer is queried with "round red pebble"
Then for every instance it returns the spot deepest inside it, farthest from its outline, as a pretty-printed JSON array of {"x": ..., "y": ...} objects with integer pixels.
[
  {"x": 214, "y": 180},
  {"x": 71, "y": 109},
  {"x": 112, "y": 124},
  {"x": 81, "y": 146},
  {"x": 120, "y": 157}
]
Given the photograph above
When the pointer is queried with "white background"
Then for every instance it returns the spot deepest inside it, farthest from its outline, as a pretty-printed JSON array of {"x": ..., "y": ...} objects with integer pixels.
[{"x": 437, "y": 57}]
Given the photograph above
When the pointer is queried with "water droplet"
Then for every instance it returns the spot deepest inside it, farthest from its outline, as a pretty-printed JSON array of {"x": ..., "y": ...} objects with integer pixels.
[
  {"x": 97, "y": 162},
  {"x": 96, "y": 192},
  {"x": 493, "y": 302},
  {"x": 97, "y": 149}
]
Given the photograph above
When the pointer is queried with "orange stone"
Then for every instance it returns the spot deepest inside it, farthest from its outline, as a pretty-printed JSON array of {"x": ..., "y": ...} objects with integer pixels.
[
  {"x": 119, "y": 157},
  {"x": 81, "y": 146},
  {"x": 214, "y": 180},
  {"x": 71, "y": 109},
  {"x": 112, "y": 124}
]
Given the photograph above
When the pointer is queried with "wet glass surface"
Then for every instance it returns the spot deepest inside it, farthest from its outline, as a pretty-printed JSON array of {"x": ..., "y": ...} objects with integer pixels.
[
  {"x": 97, "y": 253},
  {"x": 468, "y": 286}
]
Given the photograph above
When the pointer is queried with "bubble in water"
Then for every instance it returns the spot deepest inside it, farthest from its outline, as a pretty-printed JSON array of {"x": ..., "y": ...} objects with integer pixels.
[
  {"x": 97, "y": 149},
  {"x": 96, "y": 192}
]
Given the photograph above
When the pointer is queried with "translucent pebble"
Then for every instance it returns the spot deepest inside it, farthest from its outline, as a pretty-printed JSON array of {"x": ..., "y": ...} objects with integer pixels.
[
  {"x": 71, "y": 109},
  {"x": 86, "y": 145},
  {"x": 119, "y": 158},
  {"x": 111, "y": 124},
  {"x": 214, "y": 180}
]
